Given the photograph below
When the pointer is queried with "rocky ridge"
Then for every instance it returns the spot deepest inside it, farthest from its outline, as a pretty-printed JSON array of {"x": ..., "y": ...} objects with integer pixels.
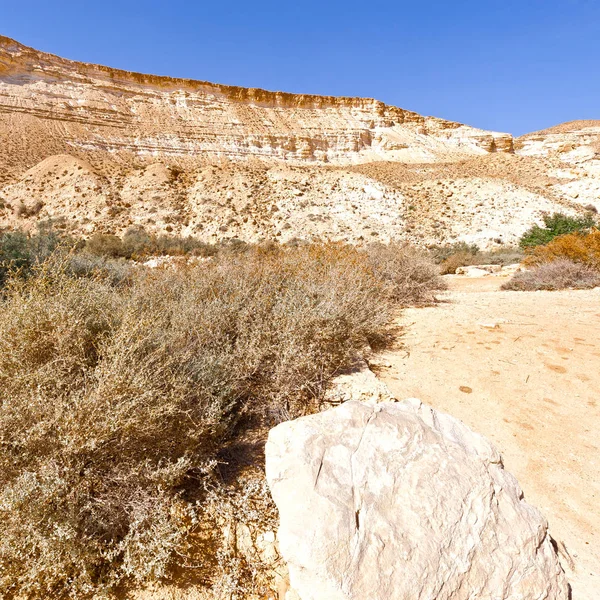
[
  {"x": 98, "y": 149},
  {"x": 94, "y": 108}
]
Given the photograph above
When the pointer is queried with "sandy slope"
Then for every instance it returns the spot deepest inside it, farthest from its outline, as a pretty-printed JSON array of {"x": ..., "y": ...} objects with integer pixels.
[{"x": 531, "y": 385}]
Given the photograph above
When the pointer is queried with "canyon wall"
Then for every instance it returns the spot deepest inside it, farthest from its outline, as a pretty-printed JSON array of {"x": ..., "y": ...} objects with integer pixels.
[{"x": 51, "y": 105}]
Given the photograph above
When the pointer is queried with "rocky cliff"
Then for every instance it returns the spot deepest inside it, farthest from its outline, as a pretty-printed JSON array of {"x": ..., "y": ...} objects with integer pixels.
[
  {"x": 50, "y": 105},
  {"x": 98, "y": 149}
]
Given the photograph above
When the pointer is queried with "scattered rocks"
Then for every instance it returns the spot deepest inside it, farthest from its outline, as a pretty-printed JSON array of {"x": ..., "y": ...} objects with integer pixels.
[
  {"x": 359, "y": 383},
  {"x": 478, "y": 270},
  {"x": 222, "y": 162},
  {"x": 489, "y": 325}
]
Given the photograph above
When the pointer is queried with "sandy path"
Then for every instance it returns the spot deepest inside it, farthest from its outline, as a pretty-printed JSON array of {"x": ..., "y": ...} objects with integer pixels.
[{"x": 532, "y": 385}]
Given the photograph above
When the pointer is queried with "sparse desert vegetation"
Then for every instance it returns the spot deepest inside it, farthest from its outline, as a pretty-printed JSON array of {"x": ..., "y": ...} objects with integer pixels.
[
  {"x": 460, "y": 254},
  {"x": 571, "y": 260},
  {"x": 555, "y": 225},
  {"x": 556, "y": 275},
  {"x": 136, "y": 242},
  {"x": 213, "y": 260},
  {"x": 20, "y": 251},
  {"x": 580, "y": 247},
  {"x": 117, "y": 395}
]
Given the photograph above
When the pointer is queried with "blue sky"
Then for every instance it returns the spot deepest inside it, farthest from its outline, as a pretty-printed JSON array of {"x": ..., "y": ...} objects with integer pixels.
[{"x": 508, "y": 65}]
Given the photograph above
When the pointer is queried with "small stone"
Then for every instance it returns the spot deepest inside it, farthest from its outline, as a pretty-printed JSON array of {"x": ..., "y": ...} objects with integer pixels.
[{"x": 490, "y": 325}]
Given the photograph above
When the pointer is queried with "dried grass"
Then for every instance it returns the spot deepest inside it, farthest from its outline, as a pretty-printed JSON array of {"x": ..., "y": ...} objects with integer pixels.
[
  {"x": 577, "y": 247},
  {"x": 557, "y": 275}
]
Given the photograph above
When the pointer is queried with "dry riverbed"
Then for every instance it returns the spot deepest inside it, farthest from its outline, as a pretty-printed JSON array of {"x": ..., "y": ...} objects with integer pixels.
[{"x": 522, "y": 368}]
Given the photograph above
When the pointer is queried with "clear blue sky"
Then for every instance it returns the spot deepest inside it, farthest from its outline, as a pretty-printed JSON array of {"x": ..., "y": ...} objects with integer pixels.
[{"x": 508, "y": 65}]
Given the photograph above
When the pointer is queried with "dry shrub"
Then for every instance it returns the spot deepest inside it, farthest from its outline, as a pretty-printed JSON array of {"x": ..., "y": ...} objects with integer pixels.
[
  {"x": 460, "y": 259},
  {"x": 578, "y": 247},
  {"x": 461, "y": 254},
  {"x": 138, "y": 243},
  {"x": 117, "y": 270},
  {"x": 557, "y": 275},
  {"x": 105, "y": 244},
  {"x": 116, "y": 399},
  {"x": 410, "y": 273}
]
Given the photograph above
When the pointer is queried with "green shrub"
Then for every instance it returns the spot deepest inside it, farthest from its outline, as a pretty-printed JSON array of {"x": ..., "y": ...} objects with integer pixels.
[
  {"x": 555, "y": 225},
  {"x": 21, "y": 251},
  {"x": 582, "y": 247}
]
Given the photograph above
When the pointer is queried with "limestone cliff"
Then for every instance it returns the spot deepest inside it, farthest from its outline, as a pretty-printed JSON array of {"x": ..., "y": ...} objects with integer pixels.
[
  {"x": 50, "y": 105},
  {"x": 97, "y": 149}
]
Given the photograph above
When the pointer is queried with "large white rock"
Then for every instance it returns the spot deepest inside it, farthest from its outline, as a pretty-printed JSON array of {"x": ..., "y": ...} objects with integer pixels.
[{"x": 398, "y": 501}]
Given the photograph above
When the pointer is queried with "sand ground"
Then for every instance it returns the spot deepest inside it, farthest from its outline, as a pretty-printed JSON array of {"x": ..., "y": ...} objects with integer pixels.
[{"x": 522, "y": 368}]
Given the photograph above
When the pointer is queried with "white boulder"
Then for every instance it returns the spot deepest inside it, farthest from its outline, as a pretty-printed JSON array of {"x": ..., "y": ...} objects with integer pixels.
[
  {"x": 397, "y": 501},
  {"x": 478, "y": 270}
]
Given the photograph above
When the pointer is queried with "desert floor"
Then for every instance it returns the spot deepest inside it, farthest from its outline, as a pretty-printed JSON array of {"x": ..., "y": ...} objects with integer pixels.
[{"x": 522, "y": 368}]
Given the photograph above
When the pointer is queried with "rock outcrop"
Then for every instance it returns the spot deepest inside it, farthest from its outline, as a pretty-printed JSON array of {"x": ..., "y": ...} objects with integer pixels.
[
  {"x": 396, "y": 500},
  {"x": 575, "y": 148},
  {"x": 96, "y": 149},
  {"x": 52, "y": 105}
]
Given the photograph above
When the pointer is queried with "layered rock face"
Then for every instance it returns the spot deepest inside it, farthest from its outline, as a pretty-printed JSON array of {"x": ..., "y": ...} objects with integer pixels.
[
  {"x": 397, "y": 501},
  {"x": 575, "y": 147},
  {"x": 87, "y": 108},
  {"x": 94, "y": 149}
]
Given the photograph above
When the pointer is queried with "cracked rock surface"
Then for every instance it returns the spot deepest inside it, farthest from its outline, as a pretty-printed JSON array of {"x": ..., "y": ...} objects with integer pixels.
[{"x": 400, "y": 501}]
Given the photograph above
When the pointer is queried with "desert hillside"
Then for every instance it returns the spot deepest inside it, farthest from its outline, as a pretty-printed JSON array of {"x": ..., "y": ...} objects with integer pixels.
[
  {"x": 187, "y": 416},
  {"x": 98, "y": 149}
]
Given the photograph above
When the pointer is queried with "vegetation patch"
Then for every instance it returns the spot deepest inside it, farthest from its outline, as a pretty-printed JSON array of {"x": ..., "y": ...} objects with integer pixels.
[
  {"x": 137, "y": 243},
  {"x": 555, "y": 225},
  {"x": 460, "y": 254},
  {"x": 581, "y": 247},
  {"x": 123, "y": 396},
  {"x": 20, "y": 251},
  {"x": 557, "y": 275}
]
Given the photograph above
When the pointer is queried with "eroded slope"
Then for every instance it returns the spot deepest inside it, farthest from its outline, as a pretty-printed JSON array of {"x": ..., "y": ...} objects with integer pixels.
[{"x": 98, "y": 149}]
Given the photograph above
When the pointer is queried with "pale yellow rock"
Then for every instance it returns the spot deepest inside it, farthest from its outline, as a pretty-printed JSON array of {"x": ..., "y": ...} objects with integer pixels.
[
  {"x": 96, "y": 149},
  {"x": 360, "y": 384},
  {"x": 93, "y": 107},
  {"x": 396, "y": 501}
]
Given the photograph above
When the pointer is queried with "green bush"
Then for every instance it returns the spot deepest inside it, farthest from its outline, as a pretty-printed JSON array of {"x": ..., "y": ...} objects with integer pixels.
[
  {"x": 555, "y": 225},
  {"x": 20, "y": 251}
]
